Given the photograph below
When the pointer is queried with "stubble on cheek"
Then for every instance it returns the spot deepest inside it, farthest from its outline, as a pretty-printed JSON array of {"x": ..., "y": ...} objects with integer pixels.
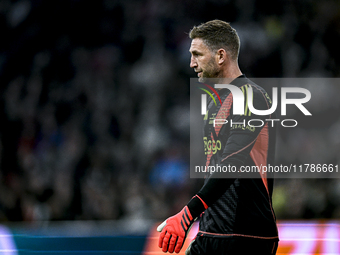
[{"x": 211, "y": 70}]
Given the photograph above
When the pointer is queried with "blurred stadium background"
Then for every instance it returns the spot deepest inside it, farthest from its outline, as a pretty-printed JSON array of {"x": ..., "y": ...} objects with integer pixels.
[{"x": 94, "y": 110}]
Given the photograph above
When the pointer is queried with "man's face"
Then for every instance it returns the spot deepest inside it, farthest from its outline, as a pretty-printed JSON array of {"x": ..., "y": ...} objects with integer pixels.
[{"x": 203, "y": 60}]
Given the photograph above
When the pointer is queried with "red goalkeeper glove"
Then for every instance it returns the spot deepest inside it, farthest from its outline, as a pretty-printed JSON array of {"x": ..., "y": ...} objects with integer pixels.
[{"x": 174, "y": 231}]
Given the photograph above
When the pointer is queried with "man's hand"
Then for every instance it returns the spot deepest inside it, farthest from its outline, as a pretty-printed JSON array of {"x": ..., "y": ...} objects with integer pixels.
[{"x": 174, "y": 231}]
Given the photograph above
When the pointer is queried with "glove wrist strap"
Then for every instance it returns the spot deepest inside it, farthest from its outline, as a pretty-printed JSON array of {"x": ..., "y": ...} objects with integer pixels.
[{"x": 196, "y": 206}]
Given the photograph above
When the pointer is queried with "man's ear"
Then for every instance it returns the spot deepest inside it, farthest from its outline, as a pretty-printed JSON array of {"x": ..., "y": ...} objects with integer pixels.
[{"x": 221, "y": 56}]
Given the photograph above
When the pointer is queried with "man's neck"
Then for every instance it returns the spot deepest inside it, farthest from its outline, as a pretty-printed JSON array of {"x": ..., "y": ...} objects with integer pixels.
[
  {"x": 229, "y": 74},
  {"x": 232, "y": 71}
]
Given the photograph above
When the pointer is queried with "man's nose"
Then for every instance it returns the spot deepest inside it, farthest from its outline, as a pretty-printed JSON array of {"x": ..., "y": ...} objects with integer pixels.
[{"x": 193, "y": 62}]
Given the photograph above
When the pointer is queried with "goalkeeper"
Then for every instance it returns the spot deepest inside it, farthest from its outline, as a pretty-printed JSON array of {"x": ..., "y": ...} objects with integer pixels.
[{"x": 236, "y": 213}]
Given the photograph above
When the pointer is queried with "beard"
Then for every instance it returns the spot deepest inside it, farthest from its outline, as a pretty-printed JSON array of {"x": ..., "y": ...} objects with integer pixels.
[{"x": 210, "y": 71}]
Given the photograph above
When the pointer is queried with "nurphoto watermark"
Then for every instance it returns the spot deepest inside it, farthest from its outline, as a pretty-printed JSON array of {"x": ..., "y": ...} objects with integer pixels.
[{"x": 221, "y": 109}]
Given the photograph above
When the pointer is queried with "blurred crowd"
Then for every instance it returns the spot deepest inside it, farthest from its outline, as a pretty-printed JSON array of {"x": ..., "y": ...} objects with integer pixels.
[{"x": 95, "y": 103}]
